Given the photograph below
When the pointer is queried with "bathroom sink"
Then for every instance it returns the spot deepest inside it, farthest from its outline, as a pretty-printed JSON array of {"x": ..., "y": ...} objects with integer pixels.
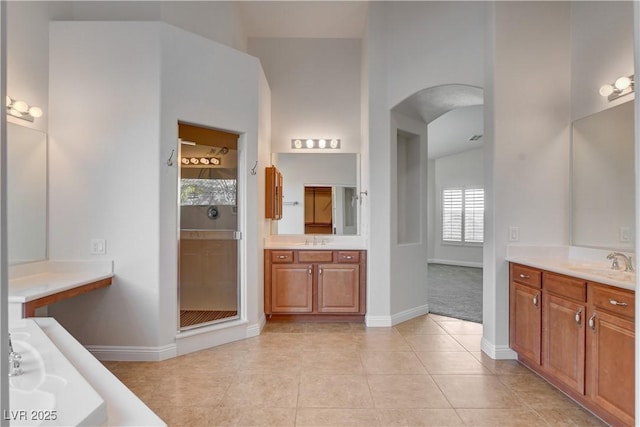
[
  {"x": 50, "y": 391},
  {"x": 619, "y": 275}
]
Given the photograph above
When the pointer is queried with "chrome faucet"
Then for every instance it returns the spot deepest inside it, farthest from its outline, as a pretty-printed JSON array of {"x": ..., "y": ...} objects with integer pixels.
[
  {"x": 315, "y": 241},
  {"x": 628, "y": 265},
  {"x": 15, "y": 360}
]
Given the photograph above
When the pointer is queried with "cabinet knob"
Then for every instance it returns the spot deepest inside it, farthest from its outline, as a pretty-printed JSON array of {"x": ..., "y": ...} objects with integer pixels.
[
  {"x": 282, "y": 256},
  {"x": 525, "y": 276},
  {"x": 579, "y": 317},
  {"x": 592, "y": 322},
  {"x": 348, "y": 257},
  {"x": 617, "y": 303},
  {"x": 535, "y": 299},
  {"x": 320, "y": 270}
]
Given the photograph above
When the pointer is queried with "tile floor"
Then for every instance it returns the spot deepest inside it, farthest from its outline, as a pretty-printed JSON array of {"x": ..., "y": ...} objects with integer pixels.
[{"x": 428, "y": 371}]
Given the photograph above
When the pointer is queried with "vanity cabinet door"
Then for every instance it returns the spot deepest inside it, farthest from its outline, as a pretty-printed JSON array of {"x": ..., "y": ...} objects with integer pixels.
[
  {"x": 338, "y": 288},
  {"x": 525, "y": 322},
  {"x": 610, "y": 364},
  {"x": 564, "y": 340},
  {"x": 292, "y": 288}
]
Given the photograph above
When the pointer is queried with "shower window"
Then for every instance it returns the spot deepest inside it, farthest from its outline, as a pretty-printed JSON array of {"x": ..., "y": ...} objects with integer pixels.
[{"x": 204, "y": 192}]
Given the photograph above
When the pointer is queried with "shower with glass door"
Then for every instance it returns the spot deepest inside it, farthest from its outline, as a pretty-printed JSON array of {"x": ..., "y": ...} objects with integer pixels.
[{"x": 209, "y": 237}]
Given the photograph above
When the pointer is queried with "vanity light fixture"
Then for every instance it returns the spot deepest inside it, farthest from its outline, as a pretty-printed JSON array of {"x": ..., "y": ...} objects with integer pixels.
[
  {"x": 622, "y": 86},
  {"x": 22, "y": 110},
  {"x": 215, "y": 161},
  {"x": 322, "y": 143}
]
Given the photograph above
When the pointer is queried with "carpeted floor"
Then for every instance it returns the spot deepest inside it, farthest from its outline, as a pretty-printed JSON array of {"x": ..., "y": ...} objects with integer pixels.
[
  {"x": 455, "y": 291},
  {"x": 194, "y": 317}
]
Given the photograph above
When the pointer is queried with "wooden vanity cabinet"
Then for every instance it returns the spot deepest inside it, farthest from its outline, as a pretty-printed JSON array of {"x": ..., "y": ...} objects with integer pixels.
[
  {"x": 314, "y": 285},
  {"x": 585, "y": 338},
  {"x": 525, "y": 314}
]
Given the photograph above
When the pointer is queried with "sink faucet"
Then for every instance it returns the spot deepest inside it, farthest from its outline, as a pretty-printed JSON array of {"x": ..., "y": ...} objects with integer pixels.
[
  {"x": 14, "y": 361},
  {"x": 315, "y": 240},
  {"x": 628, "y": 265}
]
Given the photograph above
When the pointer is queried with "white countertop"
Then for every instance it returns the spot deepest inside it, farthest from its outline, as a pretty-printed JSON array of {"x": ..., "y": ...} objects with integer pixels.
[
  {"x": 123, "y": 407},
  {"x": 322, "y": 242},
  {"x": 28, "y": 282},
  {"x": 584, "y": 263}
]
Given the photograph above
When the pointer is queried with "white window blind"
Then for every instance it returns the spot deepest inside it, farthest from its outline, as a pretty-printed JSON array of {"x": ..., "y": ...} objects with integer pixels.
[{"x": 463, "y": 215}]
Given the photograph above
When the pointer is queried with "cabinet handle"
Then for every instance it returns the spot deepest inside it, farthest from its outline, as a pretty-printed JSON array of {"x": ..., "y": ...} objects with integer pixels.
[
  {"x": 525, "y": 276},
  {"x": 535, "y": 299},
  {"x": 579, "y": 317},
  {"x": 592, "y": 322},
  {"x": 282, "y": 257},
  {"x": 618, "y": 303},
  {"x": 310, "y": 267},
  {"x": 320, "y": 270},
  {"x": 348, "y": 257}
]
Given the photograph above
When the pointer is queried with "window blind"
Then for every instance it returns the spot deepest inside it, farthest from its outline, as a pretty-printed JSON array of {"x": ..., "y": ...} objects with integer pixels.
[{"x": 463, "y": 215}]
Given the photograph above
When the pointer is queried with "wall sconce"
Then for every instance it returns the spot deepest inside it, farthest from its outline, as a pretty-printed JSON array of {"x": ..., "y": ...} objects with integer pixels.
[
  {"x": 22, "y": 110},
  {"x": 329, "y": 143},
  {"x": 622, "y": 86}
]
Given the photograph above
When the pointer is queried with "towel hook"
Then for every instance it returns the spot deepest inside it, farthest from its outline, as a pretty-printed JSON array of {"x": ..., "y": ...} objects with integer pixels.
[
  {"x": 253, "y": 169},
  {"x": 170, "y": 159}
]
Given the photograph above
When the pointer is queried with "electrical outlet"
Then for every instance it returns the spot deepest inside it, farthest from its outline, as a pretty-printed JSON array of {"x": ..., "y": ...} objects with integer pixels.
[
  {"x": 98, "y": 247},
  {"x": 625, "y": 234},
  {"x": 514, "y": 234}
]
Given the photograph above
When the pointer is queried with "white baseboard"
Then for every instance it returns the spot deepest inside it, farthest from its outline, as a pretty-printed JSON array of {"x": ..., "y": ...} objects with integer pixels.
[
  {"x": 215, "y": 335},
  {"x": 497, "y": 352},
  {"x": 256, "y": 329},
  {"x": 132, "y": 353},
  {"x": 454, "y": 262},
  {"x": 394, "y": 319}
]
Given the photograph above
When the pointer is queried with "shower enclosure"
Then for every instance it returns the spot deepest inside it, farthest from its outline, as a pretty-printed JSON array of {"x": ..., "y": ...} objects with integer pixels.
[{"x": 208, "y": 245}]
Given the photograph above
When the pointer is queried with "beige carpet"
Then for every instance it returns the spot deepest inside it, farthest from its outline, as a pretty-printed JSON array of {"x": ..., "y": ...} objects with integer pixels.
[{"x": 194, "y": 317}]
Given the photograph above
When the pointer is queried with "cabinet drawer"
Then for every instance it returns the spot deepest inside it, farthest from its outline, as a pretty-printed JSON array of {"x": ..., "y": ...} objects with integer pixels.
[
  {"x": 349, "y": 256},
  {"x": 565, "y": 286},
  {"x": 315, "y": 256},
  {"x": 613, "y": 300},
  {"x": 281, "y": 256},
  {"x": 526, "y": 275}
]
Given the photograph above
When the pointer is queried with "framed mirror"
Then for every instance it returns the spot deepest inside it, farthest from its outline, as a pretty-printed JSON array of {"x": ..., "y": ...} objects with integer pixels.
[
  {"x": 603, "y": 179},
  {"x": 321, "y": 193},
  {"x": 26, "y": 194}
]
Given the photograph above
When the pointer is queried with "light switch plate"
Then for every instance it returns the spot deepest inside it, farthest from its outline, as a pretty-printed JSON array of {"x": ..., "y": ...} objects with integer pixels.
[
  {"x": 98, "y": 247},
  {"x": 625, "y": 234},
  {"x": 514, "y": 234}
]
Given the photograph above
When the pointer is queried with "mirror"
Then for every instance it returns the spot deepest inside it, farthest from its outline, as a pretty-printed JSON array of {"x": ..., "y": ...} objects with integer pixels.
[
  {"x": 320, "y": 193},
  {"x": 26, "y": 194},
  {"x": 602, "y": 179}
]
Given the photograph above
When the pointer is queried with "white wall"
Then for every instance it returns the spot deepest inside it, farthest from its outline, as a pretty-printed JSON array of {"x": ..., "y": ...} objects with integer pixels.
[
  {"x": 409, "y": 47},
  {"x": 526, "y": 143},
  {"x": 458, "y": 170},
  {"x": 109, "y": 176},
  {"x": 315, "y": 87},
  {"x": 601, "y": 51}
]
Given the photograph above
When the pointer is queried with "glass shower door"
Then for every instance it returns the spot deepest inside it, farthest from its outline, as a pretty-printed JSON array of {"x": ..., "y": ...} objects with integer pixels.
[{"x": 209, "y": 236}]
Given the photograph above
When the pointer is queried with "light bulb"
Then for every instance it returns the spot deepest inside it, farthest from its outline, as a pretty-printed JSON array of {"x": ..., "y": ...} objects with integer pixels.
[
  {"x": 204, "y": 161},
  {"x": 15, "y": 112},
  {"x": 35, "y": 112},
  {"x": 334, "y": 143},
  {"x": 322, "y": 143},
  {"x": 309, "y": 143},
  {"x": 622, "y": 83},
  {"x": 21, "y": 106},
  {"x": 606, "y": 90},
  {"x": 297, "y": 143},
  {"x": 8, "y": 101}
]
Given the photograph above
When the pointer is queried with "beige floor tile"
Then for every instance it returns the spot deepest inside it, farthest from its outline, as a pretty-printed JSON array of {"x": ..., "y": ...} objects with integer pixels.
[
  {"x": 382, "y": 342},
  {"x": 283, "y": 328},
  {"x": 451, "y": 363},
  {"x": 192, "y": 390},
  {"x": 536, "y": 392},
  {"x": 289, "y": 342},
  {"x": 441, "y": 318},
  {"x": 334, "y": 391},
  {"x": 419, "y": 417},
  {"x": 502, "y": 367},
  {"x": 336, "y": 362},
  {"x": 420, "y": 326},
  {"x": 267, "y": 417},
  {"x": 406, "y": 391},
  {"x": 328, "y": 327},
  {"x": 433, "y": 343},
  {"x": 220, "y": 362},
  {"x": 476, "y": 391},
  {"x": 199, "y": 416},
  {"x": 469, "y": 342},
  {"x": 570, "y": 417},
  {"x": 391, "y": 362},
  {"x": 314, "y": 417},
  {"x": 522, "y": 417},
  {"x": 361, "y": 328},
  {"x": 273, "y": 361},
  {"x": 260, "y": 390},
  {"x": 331, "y": 341},
  {"x": 462, "y": 328}
]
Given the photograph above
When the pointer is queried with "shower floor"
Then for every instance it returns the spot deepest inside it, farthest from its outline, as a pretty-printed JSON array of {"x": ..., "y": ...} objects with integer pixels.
[{"x": 195, "y": 317}]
